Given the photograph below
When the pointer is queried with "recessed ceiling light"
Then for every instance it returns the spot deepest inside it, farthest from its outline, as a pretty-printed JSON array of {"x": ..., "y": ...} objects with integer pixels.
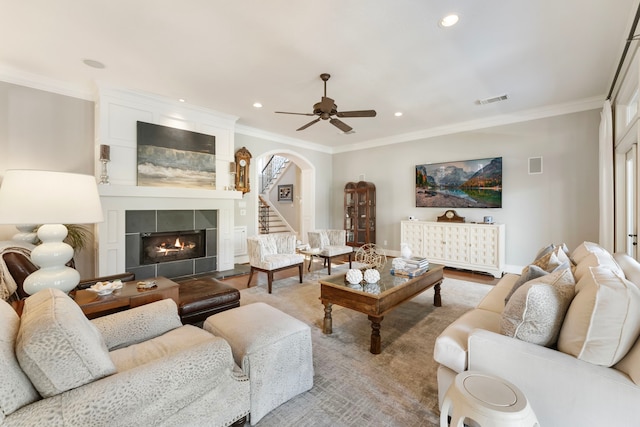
[
  {"x": 182, "y": 100},
  {"x": 398, "y": 113},
  {"x": 449, "y": 20},
  {"x": 257, "y": 105},
  {"x": 93, "y": 63}
]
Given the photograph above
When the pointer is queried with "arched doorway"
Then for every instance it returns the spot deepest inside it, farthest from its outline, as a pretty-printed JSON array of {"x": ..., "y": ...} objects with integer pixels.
[{"x": 307, "y": 190}]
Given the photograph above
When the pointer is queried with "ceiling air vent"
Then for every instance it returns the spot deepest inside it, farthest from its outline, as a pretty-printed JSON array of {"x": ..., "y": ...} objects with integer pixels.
[{"x": 498, "y": 98}]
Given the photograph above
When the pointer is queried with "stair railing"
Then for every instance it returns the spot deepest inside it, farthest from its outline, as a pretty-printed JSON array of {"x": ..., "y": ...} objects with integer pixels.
[{"x": 271, "y": 170}]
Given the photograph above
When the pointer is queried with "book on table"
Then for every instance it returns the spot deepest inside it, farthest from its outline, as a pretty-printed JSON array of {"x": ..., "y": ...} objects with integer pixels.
[
  {"x": 408, "y": 271},
  {"x": 416, "y": 262}
]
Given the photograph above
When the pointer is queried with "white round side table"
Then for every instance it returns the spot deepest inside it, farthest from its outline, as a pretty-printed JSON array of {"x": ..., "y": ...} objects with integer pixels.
[{"x": 487, "y": 400}]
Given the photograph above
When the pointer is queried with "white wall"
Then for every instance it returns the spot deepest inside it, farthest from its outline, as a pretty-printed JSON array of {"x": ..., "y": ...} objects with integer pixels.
[{"x": 560, "y": 205}]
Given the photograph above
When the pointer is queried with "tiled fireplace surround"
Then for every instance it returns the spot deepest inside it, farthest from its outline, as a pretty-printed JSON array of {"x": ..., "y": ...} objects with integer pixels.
[
  {"x": 165, "y": 209},
  {"x": 151, "y": 221}
]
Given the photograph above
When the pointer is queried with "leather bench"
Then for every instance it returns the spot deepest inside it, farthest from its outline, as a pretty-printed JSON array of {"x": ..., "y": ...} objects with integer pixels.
[{"x": 200, "y": 297}]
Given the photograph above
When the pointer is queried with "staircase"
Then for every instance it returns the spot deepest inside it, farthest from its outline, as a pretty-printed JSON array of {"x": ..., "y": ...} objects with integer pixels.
[
  {"x": 270, "y": 221},
  {"x": 270, "y": 173}
]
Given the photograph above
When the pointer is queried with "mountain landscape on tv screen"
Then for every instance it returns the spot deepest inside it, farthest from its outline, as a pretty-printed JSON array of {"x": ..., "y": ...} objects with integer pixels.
[{"x": 465, "y": 184}]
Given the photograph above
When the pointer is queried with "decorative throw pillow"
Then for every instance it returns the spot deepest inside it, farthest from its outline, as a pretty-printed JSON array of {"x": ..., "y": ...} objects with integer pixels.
[
  {"x": 603, "y": 321},
  {"x": 536, "y": 310},
  {"x": 544, "y": 251},
  {"x": 530, "y": 272},
  {"x": 57, "y": 346},
  {"x": 550, "y": 261},
  {"x": 584, "y": 249},
  {"x": 597, "y": 259},
  {"x": 15, "y": 388}
]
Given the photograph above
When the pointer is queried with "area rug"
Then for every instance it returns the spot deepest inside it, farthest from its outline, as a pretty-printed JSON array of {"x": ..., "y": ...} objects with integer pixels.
[{"x": 353, "y": 387}]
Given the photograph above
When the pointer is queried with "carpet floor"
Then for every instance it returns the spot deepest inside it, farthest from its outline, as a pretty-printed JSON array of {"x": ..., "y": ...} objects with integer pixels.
[{"x": 353, "y": 387}]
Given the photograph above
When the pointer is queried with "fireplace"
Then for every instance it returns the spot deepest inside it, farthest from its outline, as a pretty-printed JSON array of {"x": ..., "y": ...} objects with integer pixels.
[
  {"x": 171, "y": 243},
  {"x": 171, "y": 246}
]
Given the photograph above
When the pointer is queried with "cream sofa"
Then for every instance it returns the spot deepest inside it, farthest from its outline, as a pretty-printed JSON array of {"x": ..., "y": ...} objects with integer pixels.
[
  {"x": 140, "y": 367},
  {"x": 575, "y": 354}
]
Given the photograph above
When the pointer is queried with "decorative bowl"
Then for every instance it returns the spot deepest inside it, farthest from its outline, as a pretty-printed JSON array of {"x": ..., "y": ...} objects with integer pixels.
[{"x": 106, "y": 288}]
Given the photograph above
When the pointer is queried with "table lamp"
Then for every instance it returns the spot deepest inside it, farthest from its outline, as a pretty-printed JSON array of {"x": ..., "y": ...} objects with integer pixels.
[{"x": 50, "y": 199}]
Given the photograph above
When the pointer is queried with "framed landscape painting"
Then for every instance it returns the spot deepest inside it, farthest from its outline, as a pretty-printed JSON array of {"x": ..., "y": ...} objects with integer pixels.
[
  {"x": 462, "y": 184},
  {"x": 170, "y": 157}
]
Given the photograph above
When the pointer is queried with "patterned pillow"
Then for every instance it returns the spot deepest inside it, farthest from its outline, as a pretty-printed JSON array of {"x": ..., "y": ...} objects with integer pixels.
[
  {"x": 15, "y": 388},
  {"x": 530, "y": 272},
  {"x": 57, "y": 346},
  {"x": 536, "y": 310},
  {"x": 603, "y": 321}
]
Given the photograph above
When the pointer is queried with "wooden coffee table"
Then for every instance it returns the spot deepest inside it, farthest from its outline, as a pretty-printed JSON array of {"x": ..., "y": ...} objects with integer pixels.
[
  {"x": 128, "y": 296},
  {"x": 379, "y": 299}
]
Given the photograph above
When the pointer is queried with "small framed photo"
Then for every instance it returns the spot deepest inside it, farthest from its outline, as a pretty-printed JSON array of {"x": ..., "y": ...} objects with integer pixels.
[{"x": 285, "y": 193}]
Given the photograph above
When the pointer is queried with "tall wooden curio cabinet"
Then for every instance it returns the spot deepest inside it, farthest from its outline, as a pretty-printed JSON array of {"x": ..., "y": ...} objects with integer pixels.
[{"x": 360, "y": 212}]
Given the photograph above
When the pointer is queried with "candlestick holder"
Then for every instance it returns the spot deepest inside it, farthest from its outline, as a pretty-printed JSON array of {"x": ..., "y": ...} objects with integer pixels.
[{"x": 104, "y": 176}]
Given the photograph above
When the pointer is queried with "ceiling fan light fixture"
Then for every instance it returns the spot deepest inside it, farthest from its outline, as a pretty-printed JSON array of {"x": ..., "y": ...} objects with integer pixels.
[{"x": 449, "y": 20}]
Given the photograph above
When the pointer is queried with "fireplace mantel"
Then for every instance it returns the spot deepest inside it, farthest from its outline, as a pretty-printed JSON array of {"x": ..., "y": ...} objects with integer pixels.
[
  {"x": 117, "y": 199},
  {"x": 166, "y": 192}
]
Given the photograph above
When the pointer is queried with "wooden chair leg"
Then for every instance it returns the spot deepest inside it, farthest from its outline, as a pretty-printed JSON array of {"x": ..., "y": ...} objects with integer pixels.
[
  {"x": 300, "y": 271},
  {"x": 250, "y": 276},
  {"x": 350, "y": 253},
  {"x": 270, "y": 279},
  {"x": 328, "y": 265}
]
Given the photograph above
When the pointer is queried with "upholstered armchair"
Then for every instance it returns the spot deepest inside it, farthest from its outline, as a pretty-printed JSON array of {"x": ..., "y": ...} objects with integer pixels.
[
  {"x": 270, "y": 253},
  {"x": 136, "y": 367},
  {"x": 332, "y": 243}
]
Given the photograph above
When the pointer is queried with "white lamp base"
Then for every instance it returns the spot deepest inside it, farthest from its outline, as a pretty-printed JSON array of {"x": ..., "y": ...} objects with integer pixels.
[{"x": 51, "y": 256}]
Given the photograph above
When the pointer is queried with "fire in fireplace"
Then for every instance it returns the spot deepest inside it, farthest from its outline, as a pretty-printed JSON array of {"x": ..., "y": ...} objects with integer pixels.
[{"x": 171, "y": 246}]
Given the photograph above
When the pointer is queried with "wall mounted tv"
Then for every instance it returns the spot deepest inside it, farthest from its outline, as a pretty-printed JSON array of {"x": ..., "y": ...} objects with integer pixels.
[{"x": 462, "y": 184}]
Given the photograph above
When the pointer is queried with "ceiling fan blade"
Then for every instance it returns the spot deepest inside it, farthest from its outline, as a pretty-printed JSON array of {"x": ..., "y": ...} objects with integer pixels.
[
  {"x": 326, "y": 105},
  {"x": 298, "y": 114},
  {"x": 361, "y": 113},
  {"x": 341, "y": 125},
  {"x": 309, "y": 124}
]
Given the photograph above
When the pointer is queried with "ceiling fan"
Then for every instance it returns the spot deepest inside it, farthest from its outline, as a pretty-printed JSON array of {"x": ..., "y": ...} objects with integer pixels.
[{"x": 326, "y": 109}]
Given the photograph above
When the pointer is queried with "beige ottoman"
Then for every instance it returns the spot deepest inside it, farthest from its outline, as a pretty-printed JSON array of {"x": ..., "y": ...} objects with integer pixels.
[{"x": 273, "y": 349}]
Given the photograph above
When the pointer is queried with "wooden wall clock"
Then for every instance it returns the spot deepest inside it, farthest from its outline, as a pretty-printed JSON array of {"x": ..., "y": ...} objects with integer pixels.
[
  {"x": 450, "y": 216},
  {"x": 243, "y": 159}
]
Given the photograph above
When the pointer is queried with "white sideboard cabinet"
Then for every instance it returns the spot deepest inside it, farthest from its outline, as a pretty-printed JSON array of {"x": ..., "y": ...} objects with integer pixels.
[{"x": 478, "y": 247}]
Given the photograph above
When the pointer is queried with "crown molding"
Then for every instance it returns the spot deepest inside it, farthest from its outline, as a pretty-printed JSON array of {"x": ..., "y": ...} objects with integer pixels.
[
  {"x": 275, "y": 137},
  {"x": 36, "y": 81},
  {"x": 593, "y": 103}
]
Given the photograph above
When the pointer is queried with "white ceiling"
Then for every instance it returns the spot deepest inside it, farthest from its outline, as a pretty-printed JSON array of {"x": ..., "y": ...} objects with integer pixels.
[{"x": 384, "y": 55}]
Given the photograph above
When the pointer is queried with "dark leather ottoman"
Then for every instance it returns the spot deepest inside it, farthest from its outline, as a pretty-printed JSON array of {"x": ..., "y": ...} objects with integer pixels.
[{"x": 203, "y": 296}]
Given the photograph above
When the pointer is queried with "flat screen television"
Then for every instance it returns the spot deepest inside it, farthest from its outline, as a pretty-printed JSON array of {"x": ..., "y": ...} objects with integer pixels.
[{"x": 461, "y": 184}]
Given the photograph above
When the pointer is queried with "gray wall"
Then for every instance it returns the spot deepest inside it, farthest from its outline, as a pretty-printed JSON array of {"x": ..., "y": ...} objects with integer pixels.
[
  {"x": 560, "y": 205},
  {"x": 43, "y": 130}
]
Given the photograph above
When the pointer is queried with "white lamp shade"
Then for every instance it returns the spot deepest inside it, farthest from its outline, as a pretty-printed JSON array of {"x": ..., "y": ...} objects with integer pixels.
[{"x": 45, "y": 197}]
